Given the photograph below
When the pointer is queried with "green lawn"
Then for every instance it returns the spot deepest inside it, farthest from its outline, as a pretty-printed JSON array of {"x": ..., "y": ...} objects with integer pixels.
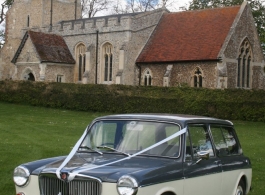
[{"x": 29, "y": 133}]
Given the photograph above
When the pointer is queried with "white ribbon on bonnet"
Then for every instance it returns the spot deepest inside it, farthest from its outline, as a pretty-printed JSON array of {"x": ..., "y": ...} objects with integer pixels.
[{"x": 74, "y": 150}]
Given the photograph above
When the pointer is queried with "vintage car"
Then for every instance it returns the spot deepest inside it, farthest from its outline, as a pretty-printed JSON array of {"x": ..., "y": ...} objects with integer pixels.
[{"x": 144, "y": 154}]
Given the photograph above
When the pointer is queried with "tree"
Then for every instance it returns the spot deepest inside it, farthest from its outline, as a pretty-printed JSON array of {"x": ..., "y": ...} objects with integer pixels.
[
  {"x": 132, "y": 6},
  {"x": 204, "y": 4},
  {"x": 2, "y": 37},
  {"x": 141, "y": 5},
  {"x": 258, "y": 11},
  {"x": 91, "y": 7},
  {"x": 4, "y": 7},
  {"x": 257, "y": 6}
]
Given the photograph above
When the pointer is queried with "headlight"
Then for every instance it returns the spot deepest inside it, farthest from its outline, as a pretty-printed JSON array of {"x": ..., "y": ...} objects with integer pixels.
[
  {"x": 127, "y": 185},
  {"x": 21, "y": 176}
]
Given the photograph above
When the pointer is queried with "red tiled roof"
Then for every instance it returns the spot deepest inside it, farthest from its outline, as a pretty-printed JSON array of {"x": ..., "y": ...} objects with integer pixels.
[
  {"x": 51, "y": 48},
  {"x": 189, "y": 35}
]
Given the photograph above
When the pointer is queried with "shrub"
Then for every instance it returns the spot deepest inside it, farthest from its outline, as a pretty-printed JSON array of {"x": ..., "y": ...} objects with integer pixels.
[{"x": 233, "y": 104}]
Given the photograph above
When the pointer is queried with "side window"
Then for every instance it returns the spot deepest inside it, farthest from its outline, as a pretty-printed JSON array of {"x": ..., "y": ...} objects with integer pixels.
[
  {"x": 224, "y": 140},
  {"x": 200, "y": 139}
]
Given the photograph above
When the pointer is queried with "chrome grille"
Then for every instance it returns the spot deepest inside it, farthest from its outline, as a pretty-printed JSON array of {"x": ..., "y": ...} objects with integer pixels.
[{"x": 51, "y": 185}]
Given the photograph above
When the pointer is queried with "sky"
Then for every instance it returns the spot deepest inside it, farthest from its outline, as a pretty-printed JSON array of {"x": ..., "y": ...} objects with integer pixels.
[
  {"x": 181, "y": 3},
  {"x": 177, "y": 5}
]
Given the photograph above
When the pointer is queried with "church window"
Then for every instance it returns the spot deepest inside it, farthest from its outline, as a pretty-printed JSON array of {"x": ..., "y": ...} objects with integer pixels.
[
  {"x": 238, "y": 72},
  {"x": 197, "y": 78},
  {"x": 80, "y": 67},
  {"x": 84, "y": 63},
  {"x": 81, "y": 60},
  {"x": 200, "y": 81},
  {"x": 248, "y": 71},
  {"x": 147, "y": 78},
  {"x": 244, "y": 65},
  {"x": 108, "y": 58},
  {"x": 59, "y": 78},
  {"x": 243, "y": 71}
]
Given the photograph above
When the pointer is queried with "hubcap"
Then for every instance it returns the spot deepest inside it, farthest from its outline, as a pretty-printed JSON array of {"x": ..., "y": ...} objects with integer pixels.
[{"x": 239, "y": 190}]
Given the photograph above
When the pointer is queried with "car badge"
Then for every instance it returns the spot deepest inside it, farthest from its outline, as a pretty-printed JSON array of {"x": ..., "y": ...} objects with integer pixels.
[{"x": 64, "y": 177}]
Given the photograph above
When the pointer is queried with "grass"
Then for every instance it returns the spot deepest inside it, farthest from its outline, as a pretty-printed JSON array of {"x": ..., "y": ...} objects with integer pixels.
[
  {"x": 29, "y": 133},
  {"x": 252, "y": 139}
]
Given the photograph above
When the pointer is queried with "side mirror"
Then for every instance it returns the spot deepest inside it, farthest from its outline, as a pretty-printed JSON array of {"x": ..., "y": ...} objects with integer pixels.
[{"x": 203, "y": 155}]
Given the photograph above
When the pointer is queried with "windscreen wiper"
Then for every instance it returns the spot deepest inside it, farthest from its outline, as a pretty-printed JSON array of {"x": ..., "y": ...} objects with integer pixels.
[
  {"x": 86, "y": 147},
  {"x": 113, "y": 149}
]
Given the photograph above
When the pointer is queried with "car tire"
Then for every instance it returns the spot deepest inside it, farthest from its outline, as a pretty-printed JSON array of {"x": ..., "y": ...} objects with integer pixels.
[{"x": 241, "y": 188}]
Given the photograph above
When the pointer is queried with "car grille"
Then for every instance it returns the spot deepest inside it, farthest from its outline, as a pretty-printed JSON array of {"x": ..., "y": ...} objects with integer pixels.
[{"x": 51, "y": 185}]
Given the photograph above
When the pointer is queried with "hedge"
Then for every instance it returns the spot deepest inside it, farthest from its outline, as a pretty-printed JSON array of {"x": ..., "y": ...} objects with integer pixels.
[{"x": 232, "y": 104}]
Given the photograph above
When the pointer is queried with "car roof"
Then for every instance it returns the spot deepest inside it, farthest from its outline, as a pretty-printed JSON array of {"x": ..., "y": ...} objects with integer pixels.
[{"x": 177, "y": 118}]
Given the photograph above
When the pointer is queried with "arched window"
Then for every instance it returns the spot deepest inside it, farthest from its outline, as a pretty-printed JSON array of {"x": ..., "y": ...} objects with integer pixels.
[
  {"x": 81, "y": 60},
  {"x": 197, "y": 77},
  {"x": 243, "y": 65},
  {"x": 147, "y": 78},
  {"x": 107, "y": 65}
]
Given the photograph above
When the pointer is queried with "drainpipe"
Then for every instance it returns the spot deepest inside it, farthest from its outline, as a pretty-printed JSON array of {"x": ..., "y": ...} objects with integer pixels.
[
  {"x": 75, "y": 8},
  {"x": 96, "y": 76},
  {"x": 51, "y": 16}
]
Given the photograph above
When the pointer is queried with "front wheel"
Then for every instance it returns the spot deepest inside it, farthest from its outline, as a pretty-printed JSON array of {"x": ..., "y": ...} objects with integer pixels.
[{"x": 240, "y": 190}]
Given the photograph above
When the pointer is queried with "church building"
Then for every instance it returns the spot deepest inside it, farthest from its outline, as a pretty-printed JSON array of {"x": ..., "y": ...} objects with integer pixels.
[{"x": 212, "y": 48}]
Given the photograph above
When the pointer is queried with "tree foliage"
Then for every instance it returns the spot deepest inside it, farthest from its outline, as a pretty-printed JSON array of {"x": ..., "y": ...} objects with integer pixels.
[{"x": 257, "y": 6}]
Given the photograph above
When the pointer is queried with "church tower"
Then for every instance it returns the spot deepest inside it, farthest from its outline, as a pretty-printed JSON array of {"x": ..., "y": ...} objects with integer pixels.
[
  {"x": 30, "y": 14},
  {"x": 36, "y": 15}
]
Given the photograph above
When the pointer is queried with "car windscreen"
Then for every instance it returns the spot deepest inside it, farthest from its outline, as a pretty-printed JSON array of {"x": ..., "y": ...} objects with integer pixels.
[{"x": 131, "y": 136}]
